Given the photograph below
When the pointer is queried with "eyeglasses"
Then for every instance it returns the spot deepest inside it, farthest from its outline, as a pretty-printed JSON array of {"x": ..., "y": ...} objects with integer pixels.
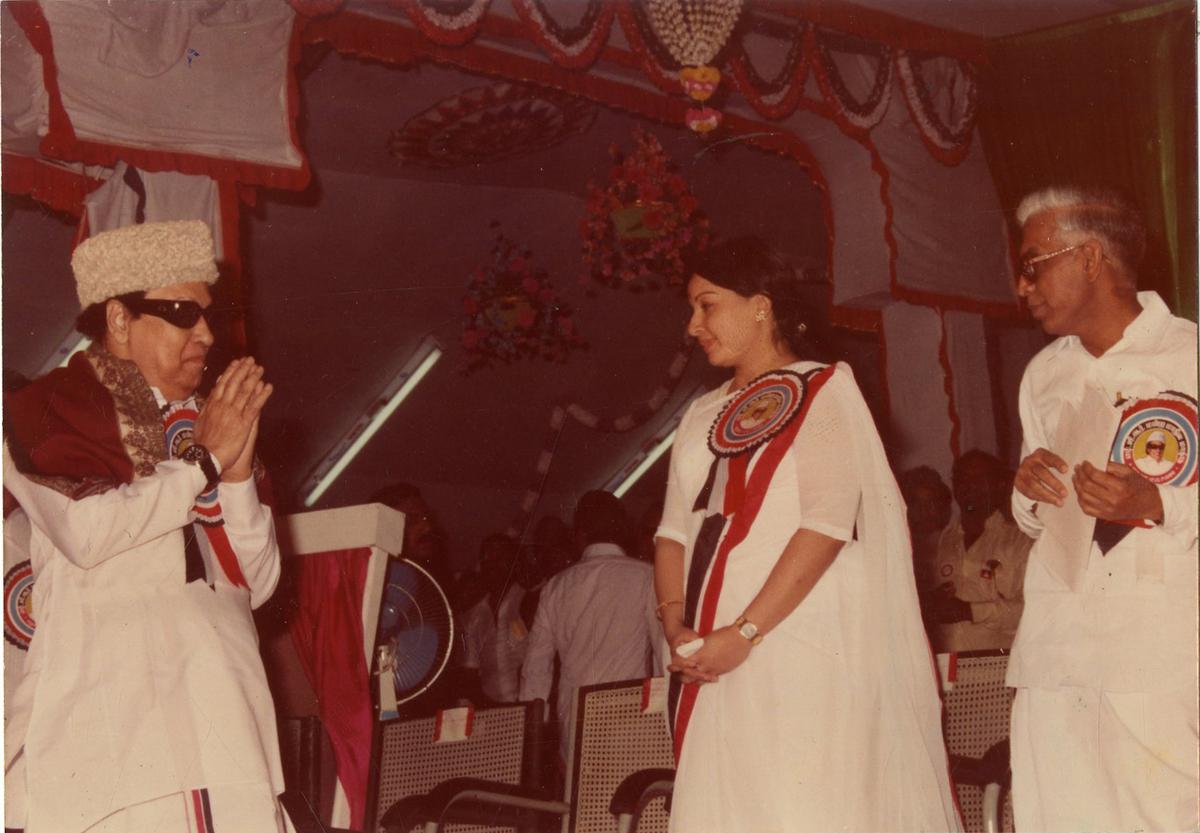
[
  {"x": 1027, "y": 270},
  {"x": 182, "y": 314}
]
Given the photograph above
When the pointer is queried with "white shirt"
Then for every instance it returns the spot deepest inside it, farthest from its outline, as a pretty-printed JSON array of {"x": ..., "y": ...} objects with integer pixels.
[
  {"x": 495, "y": 642},
  {"x": 989, "y": 575},
  {"x": 598, "y": 617},
  {"x": 1132, "y": 626}
]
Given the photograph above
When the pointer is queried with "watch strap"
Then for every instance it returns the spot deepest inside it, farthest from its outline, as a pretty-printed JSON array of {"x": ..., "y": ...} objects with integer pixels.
[
  {"x": 198, "y": 455},
  {"x": 751, "y": 633}
]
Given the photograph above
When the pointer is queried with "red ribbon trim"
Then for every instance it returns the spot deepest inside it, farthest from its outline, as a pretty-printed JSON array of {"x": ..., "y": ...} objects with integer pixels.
[
  {"x": 948, "y": 386},
  {"x": 739, "y": 527}
]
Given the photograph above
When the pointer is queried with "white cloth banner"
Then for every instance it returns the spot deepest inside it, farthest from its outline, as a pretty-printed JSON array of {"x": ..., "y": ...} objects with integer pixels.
[{"x": 200, "y": 78}]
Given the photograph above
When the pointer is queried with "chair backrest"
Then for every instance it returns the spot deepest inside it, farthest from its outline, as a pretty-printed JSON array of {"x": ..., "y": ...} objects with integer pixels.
[
  {"x": 977, "y": 713},
  {"x": 613, "y": 735},
  {"x": 409, "y": 760}
]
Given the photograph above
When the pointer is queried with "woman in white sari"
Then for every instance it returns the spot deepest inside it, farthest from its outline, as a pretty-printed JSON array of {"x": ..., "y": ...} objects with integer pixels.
[{"x": 811, "y": 701}]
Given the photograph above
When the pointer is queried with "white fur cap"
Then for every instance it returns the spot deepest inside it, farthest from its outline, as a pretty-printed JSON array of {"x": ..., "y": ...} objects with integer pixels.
[{"x": 138, "y": 258}]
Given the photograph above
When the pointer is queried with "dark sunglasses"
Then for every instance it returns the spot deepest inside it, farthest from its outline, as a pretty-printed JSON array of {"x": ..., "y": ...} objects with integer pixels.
[{"x": 182, "y": 314}]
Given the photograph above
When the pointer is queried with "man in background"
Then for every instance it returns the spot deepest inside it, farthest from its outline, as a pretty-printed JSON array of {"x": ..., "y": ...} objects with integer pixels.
[
  {"x": 597, "y": 616},
  {"x": 494, "y": 634},
  {"x": 979, "y": 564}
]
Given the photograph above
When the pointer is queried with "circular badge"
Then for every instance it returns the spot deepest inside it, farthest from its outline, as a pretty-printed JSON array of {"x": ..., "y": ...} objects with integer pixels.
[
  {"x": 178, "y": 427},
  {"x": 18, "y": 605},
  {"x": 1157, "y": 438},
  {"x": 758, "y": 413}
]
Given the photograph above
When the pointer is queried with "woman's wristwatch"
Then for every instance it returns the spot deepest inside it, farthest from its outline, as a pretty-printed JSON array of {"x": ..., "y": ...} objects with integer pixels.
[{"x": 748, "y": 629}]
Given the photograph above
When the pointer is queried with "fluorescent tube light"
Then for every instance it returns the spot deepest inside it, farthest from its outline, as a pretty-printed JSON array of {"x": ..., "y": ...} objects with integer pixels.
[
  {"x": 644, "y": 466},
  {"x": 641, "y": 462},
  {"x": 336, "y": 461}
]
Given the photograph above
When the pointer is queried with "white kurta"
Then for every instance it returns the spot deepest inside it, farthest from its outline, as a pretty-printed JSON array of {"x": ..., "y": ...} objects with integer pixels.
[
  {"x": 1129, "y": 631},
  {"x": 138, "y": 685},
  {"x": 833, "y": 722}
]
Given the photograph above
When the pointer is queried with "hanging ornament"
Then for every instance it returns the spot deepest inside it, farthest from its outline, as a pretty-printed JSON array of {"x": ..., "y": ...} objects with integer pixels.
[
  {"x": 694, "y": 32},
  {"x": 703, "y": 119},
  {"x": 640, "y": 223},
  {"x": 700, "y": 82}
]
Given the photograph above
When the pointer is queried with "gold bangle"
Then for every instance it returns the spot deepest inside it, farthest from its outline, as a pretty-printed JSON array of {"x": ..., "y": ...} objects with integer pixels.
[{"x": 658, "y": 611}]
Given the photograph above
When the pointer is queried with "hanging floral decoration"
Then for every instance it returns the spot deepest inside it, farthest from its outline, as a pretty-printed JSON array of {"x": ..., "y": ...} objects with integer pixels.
[
  {"x": 952, "y": 83},
  {"x": 779, "y": 96},
  {"x": 446, "y": 22},
  {"x": 694, "y": 32},
  {"x": 512, "y": 311},
  {"x": 639, "y": 225}
]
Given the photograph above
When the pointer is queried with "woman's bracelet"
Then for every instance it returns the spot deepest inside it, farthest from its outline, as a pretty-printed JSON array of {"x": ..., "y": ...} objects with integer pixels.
[{"x": 658, "y": 611}]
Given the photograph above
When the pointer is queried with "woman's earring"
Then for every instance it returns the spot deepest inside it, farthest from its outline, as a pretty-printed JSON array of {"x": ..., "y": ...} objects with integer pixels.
[{"x": 760, "y": 316}]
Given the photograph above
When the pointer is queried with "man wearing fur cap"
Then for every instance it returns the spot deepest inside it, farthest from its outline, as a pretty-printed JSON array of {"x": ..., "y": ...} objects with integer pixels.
[{"x": 144, "y": 705}]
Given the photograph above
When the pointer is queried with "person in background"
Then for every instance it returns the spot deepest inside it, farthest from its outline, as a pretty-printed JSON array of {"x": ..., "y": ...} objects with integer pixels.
[
  {"x": 596, "y": 616},
  {"x": 494, "y": 634},
  {"x": 929, "y": 503},
  {"x": 980, "y": 562},
  {"x": 1105, "y": 717},
  {"x": 423, "y": 538},
  {"x": 144, "y": 704}
]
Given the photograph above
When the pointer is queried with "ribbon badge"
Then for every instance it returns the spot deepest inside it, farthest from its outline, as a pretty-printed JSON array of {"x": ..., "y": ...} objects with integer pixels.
[
  {"x": 18, "y": 605},
  {"x": 757, "y": 414},
  {"x": 1158, "y": 439}
]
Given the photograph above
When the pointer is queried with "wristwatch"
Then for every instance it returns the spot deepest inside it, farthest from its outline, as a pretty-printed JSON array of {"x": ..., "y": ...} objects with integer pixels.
[
  {"x": 198, "y": 455},
  {"x": 748, "y": 629}
]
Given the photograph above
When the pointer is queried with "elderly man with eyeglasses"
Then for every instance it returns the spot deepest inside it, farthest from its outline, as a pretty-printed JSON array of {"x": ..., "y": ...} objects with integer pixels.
[
  {"x": 144, "y": 705},
  {"x": 1104, "y": 727}
]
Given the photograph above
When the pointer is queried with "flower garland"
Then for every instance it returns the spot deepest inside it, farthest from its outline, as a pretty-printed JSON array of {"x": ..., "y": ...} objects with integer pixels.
[
  {"x": 693, "y": 31},
  {"x": 448, "y": 24},
  {"x": 639, "y": 225},
  {"x": 778, "y": 97},
  {"x": 657, "y": 62},
  {"x": 576, "y": 47},
  {"x": 948, "y": 143},
  {"x": 857, "y": 115},
  {"x": 512, "y": 311}
]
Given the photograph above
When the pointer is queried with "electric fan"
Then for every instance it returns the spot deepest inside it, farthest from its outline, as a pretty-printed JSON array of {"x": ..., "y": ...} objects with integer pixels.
[{"x": 416, "y": 633}]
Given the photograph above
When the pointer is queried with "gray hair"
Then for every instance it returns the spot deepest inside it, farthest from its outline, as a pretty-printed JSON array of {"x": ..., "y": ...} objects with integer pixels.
[{"x": 1098, "y": 212}]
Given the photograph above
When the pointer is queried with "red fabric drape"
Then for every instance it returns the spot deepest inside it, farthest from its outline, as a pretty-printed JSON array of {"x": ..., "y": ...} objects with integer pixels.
[{"x": 327, "y": 631}]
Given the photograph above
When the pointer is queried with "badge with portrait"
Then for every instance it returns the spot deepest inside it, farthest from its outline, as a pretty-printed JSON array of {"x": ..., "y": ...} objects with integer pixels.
[{"x": 1157, "y": 439}]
